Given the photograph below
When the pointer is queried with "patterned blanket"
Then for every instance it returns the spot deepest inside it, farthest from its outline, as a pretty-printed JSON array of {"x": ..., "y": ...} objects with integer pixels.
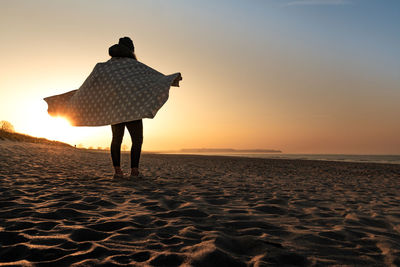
[{"x": 119, "y": 90}]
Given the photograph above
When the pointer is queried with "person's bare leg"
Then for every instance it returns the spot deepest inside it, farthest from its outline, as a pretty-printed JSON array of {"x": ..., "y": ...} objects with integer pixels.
[
  {"x": 118, "y": 134},
  {"x": 135, "y": 129}
]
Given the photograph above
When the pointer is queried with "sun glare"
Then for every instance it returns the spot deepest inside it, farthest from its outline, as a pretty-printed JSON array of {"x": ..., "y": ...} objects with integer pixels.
[
  {"x": 56, "y": 128},
  {"x": 59, "y": 129},
  {"x": 41, "y": 124}
]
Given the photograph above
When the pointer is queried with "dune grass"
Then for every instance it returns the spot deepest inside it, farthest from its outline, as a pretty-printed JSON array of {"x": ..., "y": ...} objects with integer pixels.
[{"x": 18, "y": 137}]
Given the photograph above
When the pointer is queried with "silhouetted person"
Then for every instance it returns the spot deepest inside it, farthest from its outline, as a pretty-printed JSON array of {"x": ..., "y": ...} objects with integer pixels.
[
  {"x": 119, "y": 92},
  {"x": 125, "y": 48}
]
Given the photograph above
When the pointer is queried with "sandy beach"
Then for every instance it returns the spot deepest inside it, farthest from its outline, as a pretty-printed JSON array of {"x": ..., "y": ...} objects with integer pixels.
[{"x": 60, "y": 207}]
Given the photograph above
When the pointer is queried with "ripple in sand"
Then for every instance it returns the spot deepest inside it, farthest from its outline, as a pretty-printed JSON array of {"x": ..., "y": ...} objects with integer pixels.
[
  {"x": 110, "y": 213},
  {"x": 271, "y": 209},
  {"x": 91, "y": 199},
  {"x": 47, "y": 241},
  {"x": 141, "y": 256},
  {"x": 234, "y": 211},
  {"x": 143, "y": 220},
  {"x": 121, "y": 237},
  {"x": 167, "y": 260},
  {"x": 217, "y": 201},
  {"x": 8, "y": 204},
  {"x": 20, "y": 226},
  {"x": 85, "y": 234},
  {"x": 170, "y": 203},
  {"x": 85, "y": 258},
  {"x": 160, "y": 223},
  {"x": 252, "y": 231},
  {"x": 190, "y": 232},
  {"x": 215, "y": 258},
  {"x": 59, "y": 214},
  {"x": 135, "y": 233},
  {"x": 286, "y": 259},
  {"x": 10, "y": 238},
  {"x": 109, "y": 226},
  {"x": 81, "y": 206},
  {"x": 336, "y": 235},
  {"x": 45, "y": 254},
  {"x": 16, "y": 213},
  {"x": 68, "y": 245},
  {"x": 156, "y": 208},
  {"x": 171, "y": 241},
  {"x": 120, "y": 259},
  {"x": 46, "y": 225},
  {"x": 315, "y": 240},
  {"x": 238, "y": 225},
  {"x": 194, "y": 213},
  {"x": 372, "y": 222},
  {"x": 104, "y": 203},
  {"x": 14, "y": 253}
]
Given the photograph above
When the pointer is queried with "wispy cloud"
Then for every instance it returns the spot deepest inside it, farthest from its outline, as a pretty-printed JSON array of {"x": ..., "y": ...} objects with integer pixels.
[{"x": 318, "y": 2}]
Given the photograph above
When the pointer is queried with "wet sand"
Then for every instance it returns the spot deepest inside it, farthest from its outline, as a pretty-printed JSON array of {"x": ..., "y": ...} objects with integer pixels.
[{"x": 61, "y": 207}]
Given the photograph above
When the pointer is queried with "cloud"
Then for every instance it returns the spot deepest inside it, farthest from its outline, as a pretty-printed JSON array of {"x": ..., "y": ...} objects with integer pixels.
[{"x": 318, "y": 3}]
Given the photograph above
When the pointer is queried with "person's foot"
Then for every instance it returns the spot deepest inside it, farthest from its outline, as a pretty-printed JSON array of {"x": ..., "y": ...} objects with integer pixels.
[
  {"x": 135, "y": 173},
  {"x": 118, "y": 173}
]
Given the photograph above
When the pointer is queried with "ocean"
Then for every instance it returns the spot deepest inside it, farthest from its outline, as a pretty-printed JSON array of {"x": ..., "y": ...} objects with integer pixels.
[{"x": 392, "y": 159}]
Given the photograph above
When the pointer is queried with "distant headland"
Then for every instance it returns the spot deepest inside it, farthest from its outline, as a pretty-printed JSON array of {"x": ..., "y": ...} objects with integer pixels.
[{"x": 227, "y": 150}]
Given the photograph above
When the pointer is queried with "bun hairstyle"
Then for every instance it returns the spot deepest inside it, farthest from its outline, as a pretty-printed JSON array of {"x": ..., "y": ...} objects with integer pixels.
[
  {"x": 127, "y": 42},
  {"x": 124, "y": 48}
]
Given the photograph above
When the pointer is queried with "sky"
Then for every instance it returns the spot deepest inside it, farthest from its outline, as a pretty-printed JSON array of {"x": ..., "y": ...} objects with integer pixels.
[{"x": 302, "y": 76}]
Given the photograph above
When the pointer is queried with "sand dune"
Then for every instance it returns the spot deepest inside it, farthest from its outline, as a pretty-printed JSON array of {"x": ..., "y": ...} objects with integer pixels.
[{"x": 60, "y": 207}]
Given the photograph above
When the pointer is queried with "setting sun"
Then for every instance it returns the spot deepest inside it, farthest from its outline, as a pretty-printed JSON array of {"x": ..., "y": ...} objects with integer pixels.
[{"x": 55, "y": 128}]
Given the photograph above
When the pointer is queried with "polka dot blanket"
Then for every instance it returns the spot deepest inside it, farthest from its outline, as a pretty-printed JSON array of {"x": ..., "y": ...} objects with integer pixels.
[{"x": 119, "y": 90}]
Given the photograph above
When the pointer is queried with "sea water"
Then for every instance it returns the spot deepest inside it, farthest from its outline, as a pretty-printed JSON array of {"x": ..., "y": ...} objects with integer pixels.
[{"x": 393, "y": 159}]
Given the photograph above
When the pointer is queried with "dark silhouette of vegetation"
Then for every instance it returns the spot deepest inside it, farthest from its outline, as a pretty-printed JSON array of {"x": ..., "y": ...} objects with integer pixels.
[
  {"x": 6, "y": 126},
  {"x": 17, "y": 137}
]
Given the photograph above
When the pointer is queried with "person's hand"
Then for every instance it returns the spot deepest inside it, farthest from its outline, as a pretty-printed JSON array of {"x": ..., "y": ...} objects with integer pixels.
[{"x": 177, "y": 79}]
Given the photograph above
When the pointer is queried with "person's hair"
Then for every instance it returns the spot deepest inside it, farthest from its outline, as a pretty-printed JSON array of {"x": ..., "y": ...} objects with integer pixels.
[
  {"x": 118, "y": 50},
  {"x": 127, "y": 42}
]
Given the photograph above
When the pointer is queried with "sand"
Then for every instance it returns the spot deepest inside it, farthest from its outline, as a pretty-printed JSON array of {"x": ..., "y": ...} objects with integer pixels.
[{"x": 61, "y": 207}]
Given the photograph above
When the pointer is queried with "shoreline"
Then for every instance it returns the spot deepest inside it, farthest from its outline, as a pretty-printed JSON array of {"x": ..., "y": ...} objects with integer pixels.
[
  {"x": 287, "y": 157},
  {"x": 261, "y": 155},
  {"x": 248, "y": 157}
]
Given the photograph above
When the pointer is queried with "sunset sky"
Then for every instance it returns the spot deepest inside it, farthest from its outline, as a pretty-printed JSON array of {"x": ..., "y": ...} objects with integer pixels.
[{"x": 303, "y": 76}]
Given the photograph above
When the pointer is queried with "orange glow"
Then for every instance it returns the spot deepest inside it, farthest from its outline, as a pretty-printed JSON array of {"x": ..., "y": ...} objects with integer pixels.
[
  {"x": 265, "y": 81},
  {"x": 40, "y": 124},
  {"x": 54, "y": 128}
]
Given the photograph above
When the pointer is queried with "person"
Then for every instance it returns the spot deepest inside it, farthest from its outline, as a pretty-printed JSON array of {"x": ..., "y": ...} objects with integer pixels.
[
  {"x": 125, "y": 48},
  {"x": 119, "y": 92}
]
